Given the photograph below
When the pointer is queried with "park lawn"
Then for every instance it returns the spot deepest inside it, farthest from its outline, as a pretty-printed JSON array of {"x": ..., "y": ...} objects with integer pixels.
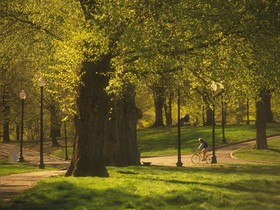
[
  {"x": 270, "y": 155},
  {"x": 7, "y": 168},
  {"x": 154, "y": 187},
  {"x": 163, "y": 141}
]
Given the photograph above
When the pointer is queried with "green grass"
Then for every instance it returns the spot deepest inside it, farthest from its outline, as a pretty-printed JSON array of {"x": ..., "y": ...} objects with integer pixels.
[
  {"x": 163, "y": 141},
  {"x": 7, "y": 168},
  {"x": 216, "y": 187},
  {"x": 272, "y": 154}
]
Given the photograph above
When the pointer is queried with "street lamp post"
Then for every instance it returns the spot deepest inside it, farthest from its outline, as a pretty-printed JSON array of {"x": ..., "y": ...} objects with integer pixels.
[
  {"x": 42, "y": 84},
  {"x": 224, "y": 141},
  {"x": 214, "y": 88},
  {"x": 179, "y": 162},
  {"x": 65, "y": 137},
  {"x": 214, "y": 158},
  {"x": 64, "y": 120},
  {"x": 22, "y": 96}
]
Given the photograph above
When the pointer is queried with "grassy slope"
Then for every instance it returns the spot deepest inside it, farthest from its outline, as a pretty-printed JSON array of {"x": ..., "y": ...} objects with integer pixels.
[
  {"x": 227, "y": 187},
  {"x": 163, "y": 141},
  {"x": 7, "y": 168},
  {"x": 272, "y": 154},
  {"x": 214, "y": 187}
]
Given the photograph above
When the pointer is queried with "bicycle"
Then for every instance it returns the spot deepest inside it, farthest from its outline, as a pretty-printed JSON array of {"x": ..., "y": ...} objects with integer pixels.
[{"x": 197, "y": 158}]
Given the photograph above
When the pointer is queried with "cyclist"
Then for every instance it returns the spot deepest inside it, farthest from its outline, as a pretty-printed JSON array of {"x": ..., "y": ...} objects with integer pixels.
[{"x": 203, "y": 147}]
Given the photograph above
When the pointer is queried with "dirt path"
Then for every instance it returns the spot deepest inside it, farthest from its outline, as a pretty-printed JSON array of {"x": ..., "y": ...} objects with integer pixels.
[{"x": 17, "y": 183}]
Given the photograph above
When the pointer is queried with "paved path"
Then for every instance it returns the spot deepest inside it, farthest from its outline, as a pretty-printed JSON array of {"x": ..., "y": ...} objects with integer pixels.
[
  {"x": 17, "y": 183},
  {"x": 223, "y": 154}
]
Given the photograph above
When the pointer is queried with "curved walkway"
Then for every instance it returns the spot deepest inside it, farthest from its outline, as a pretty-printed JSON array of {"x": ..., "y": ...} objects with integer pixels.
[
  {"x": 13, "y": 184},
  {"x": 223, "y": 154},
  {"x": 16, "y": 183}
]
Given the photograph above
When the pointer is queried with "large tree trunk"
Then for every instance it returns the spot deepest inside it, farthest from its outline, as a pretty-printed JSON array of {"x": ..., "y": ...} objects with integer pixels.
[
  {"x": 120, "y": 147},
  {"x": 92, "y": 107},
  {"x": 158, "y": 102},
  {"x": 261, "y": 141}
]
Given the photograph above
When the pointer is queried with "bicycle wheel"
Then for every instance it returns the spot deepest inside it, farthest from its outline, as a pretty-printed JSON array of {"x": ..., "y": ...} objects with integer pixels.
[
  {"x": 195, "y": 158},
  {"x": 208, "y": 158}
]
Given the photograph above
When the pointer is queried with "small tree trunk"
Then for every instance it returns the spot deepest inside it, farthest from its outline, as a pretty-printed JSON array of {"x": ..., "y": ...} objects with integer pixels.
[
  {"x": 158, "y": 102},
  {"x": 6, "y": 131},
  {"x": 55, "y": 125},
  {"x": 6, "y": 123},
  {"x": 261, "y": 141},
  {"x": 168, "y": 110}
]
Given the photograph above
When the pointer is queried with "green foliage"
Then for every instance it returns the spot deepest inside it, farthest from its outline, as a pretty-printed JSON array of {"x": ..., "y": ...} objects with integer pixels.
[
  {"x": 167, "y": 44},
  {"x": 231, "y": 187}
]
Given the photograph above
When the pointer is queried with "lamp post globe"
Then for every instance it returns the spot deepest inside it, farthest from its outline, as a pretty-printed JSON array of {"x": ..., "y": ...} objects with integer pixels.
[
  {"x": 42, "y": 83},
  {"x": 22, "y": 96}
]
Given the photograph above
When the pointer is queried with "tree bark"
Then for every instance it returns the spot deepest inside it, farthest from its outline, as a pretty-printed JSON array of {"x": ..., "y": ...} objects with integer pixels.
[
  {"x": 168, "y": 110},
  {"x": 267, "y": 107},
  {"x": 6, "y": 115},
  {"x": 55, "y": 125},
  {"x": 120, "y": 147},
  {"x": 92, "y": 108},
  {"x": 6, "y": 131},
  {"x": 158, "y": 102},
  {"x": 6, "y": 123},
  {"x": 261, "y": 141}
]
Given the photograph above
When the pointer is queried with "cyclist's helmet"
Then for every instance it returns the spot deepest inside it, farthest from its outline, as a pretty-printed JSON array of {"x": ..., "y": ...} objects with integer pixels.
[{"x": 200, "y": 139}]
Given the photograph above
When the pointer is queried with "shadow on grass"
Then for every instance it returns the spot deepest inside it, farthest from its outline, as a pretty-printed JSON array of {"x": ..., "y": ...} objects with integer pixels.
[
  {"x": 158, "y": 187},
  {"x": 274, "y": 150},
  {"x": 223, "y": 169},
  {"x": 65, "y": 195}
]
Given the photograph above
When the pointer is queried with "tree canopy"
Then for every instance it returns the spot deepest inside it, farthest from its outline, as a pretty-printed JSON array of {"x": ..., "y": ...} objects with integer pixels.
[{"x": 100, "y": 51}]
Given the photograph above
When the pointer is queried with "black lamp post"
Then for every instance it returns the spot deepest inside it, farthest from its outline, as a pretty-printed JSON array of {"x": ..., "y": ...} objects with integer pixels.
[
  {"x": 214, "y": 88},
  {"x": 22, "y": 96},
  {"x": 65, "y": 137},
  {"x": 42, "y": 84},
  {"x": 64, "y": 120},
  {"x": 179, "y": 162},
  {"x": 224, "y": 141},
  {"x": 214, "y": 158}
]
